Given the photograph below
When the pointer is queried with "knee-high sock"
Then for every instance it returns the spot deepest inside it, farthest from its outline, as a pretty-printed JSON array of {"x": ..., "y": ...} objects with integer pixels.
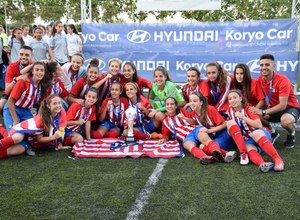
[
  {"x": 112, "y": 134},
  {"x": 3, "y": 131},
  {"x": 268, "y": 147},
  {"x": 255, "y": 157},
  {"x": 140, "y": 135},
  {"x": 3, "y": 154},
  {"x": 197, "y": 152},
  {"x": 211, "y": 147},
  {"x": 238, "y": 138},
  {"x": 6, "y": 143},
  {"x": 68, "y": 141},
  {"x": 96, "y": 134}
]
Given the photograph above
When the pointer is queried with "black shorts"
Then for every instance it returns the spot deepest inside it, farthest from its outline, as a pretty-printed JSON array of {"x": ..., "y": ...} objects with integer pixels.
[{"x": 295, "y": 112}]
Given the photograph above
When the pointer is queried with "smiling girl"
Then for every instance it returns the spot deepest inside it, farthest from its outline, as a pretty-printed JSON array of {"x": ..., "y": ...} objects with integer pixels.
[
  {"x": 248, "y": 132},
  {"x": 45, "y": 129},
  {"x": 112, "y": 114}
]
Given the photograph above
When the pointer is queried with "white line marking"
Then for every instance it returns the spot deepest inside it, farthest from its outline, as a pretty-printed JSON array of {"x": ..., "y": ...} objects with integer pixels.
[{"x": 144, "y": 195}]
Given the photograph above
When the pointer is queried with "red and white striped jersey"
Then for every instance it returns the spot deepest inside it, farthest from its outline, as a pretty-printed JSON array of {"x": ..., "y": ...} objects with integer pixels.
[
  {"x": 202, "y": 87},
  {"x": 174, "y": 125},
  {"x": 115, "y": 114},
  {"x": 26, "y": 94},
  {"x": 57, "y": 88},
  {"x": 77, "y": 111},
  {"x": 212, "y": 118},
  {"x": 245, "y": 128}
]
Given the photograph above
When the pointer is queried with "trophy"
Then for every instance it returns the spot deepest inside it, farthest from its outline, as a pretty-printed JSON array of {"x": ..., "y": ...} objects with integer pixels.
[{"x": 130, "y": 115}]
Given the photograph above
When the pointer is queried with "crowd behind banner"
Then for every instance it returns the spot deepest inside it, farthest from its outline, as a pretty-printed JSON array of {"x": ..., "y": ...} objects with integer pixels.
[{"x": 52, "y": 99}]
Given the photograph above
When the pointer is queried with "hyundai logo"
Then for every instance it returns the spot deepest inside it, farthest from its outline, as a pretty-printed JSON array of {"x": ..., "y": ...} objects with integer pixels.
[
  {"x": 101, "y": 65},
  {"x": 254, "y": 66},
  {"x": 138, "y": 36}
]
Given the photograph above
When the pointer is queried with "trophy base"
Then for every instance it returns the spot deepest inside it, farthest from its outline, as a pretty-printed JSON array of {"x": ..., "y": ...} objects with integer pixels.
[{"x": 129, "y": 139}]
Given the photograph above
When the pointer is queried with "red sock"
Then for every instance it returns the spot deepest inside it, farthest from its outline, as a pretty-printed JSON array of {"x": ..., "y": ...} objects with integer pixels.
[
  {"x": 112, "y": 134},
  {"x": 96, "y": 134},
  {"x": 197, "y": 152},
  {"x": 68, "y": 141},
  {"x": 212, "y": 146},
  {"x": 3, "y": 131},
  {"x": 255, "y": 157},
  {"x": 140, "y": 135},
  {"x": 238, "y": 138},
  {"x": 6, "y": 143},
  {"x": 223, "y": 152},
  {"x": 3, "y": 154},
  {"x": 268, "y": 147}
]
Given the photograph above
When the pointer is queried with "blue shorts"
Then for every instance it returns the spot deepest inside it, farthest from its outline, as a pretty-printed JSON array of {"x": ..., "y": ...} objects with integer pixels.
[
  {"x": 22, "y": 114},
  {"x": 221, "y": 137},
  {"x": 251, "y": 141},
  {"x": 68, "y": 132},
  {"x": 148, "y": 128},
  {"x": 109, "y": 125}
]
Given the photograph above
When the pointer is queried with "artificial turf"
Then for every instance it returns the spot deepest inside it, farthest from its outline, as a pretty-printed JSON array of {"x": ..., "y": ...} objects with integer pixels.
[{"x": 51, "y": 186}]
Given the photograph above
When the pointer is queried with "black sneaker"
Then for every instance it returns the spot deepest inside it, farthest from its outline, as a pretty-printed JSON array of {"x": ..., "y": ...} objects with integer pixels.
[
  {"x": 274, "y": 136},
  {"x": 290, "y": 141}
]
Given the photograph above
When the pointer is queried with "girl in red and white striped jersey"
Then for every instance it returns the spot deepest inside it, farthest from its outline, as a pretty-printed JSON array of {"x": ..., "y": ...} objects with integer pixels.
[
  {"x": 78, "y": 115},
  {"x": 247, "y": 131},
  {"x": 45, "y": 129},
  {"x": 175, "y": 126},
  {"x": 112, "y": 114},
  {"x": 25, "y": 97}
]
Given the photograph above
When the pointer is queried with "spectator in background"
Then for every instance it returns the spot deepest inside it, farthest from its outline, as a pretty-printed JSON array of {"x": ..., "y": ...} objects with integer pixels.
[
  {"x": 58, "y": 43},
  {"x": 74, "y": 40},
  {"x": 25, "y": 34},
  {"x": 15, "y": 44},
  {"x": 40, "y": 48},
  {"x": 11, "y": 31}
]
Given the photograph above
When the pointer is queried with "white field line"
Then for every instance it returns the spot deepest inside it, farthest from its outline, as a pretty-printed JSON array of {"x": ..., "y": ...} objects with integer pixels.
[{"x": 144, "y": 195}]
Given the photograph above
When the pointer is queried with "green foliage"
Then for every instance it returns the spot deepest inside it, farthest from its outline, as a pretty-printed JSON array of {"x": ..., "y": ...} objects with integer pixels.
[{"x": 112, "y": 11}]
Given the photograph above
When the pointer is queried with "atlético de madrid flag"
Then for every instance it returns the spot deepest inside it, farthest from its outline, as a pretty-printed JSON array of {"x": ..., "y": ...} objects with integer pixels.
[{"x": 178, "y": 5}]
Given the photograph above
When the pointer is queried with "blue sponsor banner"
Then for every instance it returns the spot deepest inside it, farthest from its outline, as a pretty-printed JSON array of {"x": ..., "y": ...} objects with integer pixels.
[{"x": 179, "y": 46}]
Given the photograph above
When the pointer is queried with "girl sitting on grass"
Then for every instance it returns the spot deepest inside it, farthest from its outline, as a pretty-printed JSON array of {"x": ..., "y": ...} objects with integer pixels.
[
  {"x": 79, "y": 115},
  {"x": 247, "y": 131},
  {"x": 45, "y": 129},
  {"x": 211, "y": 132},
  {"x": 112, "y": 114}
]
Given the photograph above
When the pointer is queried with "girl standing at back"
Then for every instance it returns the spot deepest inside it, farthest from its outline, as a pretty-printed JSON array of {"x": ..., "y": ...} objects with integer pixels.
[
  {"x": 162, "y": 88},
  {"x": 219, "y": 83},
  {"x": 130, "y": 74},
  {"x": 58, "y": 43},
  {"x": 247, "y": 131},
  {"x": 74, "y": 40},
  {"x": 249, "y": 86},
  {"x": 15, "y": 45},
  {"x": 45, "y": 129}
]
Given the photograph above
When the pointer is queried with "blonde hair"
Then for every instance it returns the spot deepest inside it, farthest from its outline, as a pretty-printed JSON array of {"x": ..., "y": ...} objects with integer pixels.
[{"x": 115, "y": 60}]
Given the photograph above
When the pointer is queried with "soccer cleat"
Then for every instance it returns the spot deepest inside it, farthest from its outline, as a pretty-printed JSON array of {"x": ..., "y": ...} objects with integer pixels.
[
  {"x": 244, "y": 159},
  {"x": 217, "y": 156},
  {"x": 230, "y": 156},
  {"x": 290, "y": 141},
  {"x": 206, "y": 160},
  {"x": 30, "y": 151},
  {"x": 266, "y": 167},
  {"x": 274, "y": 136},
  {"x": 278, "y": 165}
]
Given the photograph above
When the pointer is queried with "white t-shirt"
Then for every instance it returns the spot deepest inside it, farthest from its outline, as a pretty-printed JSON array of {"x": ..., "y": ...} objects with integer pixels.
[
  {"x": 74, "y": 42},
  {"x": 27, "y": 39}
]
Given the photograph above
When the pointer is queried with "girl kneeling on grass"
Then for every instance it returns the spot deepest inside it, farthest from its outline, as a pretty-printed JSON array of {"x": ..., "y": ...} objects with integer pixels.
[
  {"x": 78, "y": 115},
  {"x": 174, "y": 125},
  {"x": 247, "y": 131},
  {"x": 211, "y": 132},
  {"x": 45, "y": 129},
  {"x": 112, "y": 114}
]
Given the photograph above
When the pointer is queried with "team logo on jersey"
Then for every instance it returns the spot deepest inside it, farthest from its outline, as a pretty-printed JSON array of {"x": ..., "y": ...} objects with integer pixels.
[
  {"x": 138, "y": 36},
  {"x": 254, "y": 66}
]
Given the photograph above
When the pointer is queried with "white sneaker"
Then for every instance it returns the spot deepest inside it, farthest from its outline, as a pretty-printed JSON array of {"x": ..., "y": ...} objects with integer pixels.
[
  {"x": 244, "y": 159},
  {"x": 230, "y": 156},
  {"x": 30, "y": 151}
]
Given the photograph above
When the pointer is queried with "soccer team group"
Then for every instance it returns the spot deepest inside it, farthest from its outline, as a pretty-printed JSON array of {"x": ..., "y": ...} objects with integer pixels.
[{"x": 54, "y": 104}]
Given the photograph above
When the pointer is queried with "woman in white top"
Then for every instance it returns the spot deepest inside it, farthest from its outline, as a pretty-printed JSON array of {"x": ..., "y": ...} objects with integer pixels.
[{"x": 74, "y": 40}]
